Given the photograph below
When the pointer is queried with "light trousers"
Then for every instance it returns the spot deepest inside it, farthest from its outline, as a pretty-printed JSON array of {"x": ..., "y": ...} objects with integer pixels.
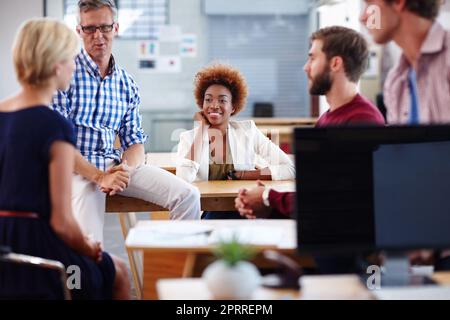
[{"x": 148, "y": 183}]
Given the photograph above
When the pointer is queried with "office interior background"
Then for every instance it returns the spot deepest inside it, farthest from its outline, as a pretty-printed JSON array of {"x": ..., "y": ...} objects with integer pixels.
[{"x": 163, "y": 43}]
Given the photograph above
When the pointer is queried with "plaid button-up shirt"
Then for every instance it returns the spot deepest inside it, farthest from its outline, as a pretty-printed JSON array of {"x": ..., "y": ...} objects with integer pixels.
[{"x": 101, "y": 109}]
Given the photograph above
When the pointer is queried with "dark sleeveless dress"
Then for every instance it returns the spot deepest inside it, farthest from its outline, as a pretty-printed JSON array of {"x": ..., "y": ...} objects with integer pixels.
[{"x": 25, "y": 140}]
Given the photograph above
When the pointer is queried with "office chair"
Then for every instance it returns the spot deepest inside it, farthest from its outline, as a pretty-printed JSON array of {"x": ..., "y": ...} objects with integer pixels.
[{"x": 9, "y": 257}]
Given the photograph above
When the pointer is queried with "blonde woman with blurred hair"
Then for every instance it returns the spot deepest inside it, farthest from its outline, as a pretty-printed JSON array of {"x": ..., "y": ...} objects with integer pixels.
[{"x": 36, "y": 164}]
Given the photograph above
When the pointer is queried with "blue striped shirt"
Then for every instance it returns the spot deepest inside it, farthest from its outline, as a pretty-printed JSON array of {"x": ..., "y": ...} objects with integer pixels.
[{"x": 101, "y": 109}]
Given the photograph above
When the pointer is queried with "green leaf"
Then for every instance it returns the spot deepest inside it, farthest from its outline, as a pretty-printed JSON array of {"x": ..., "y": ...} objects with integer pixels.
[{"x": 233, "y": 251}]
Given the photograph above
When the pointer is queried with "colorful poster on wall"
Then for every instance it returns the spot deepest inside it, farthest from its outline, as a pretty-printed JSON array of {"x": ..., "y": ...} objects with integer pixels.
[
  {"x": 147, "y": 65},
  {"x": 147, "y": 52},
  {"x": 148, "y": 49},
  {"x": 169, "y": 64},
  {"x": 163, "y": 64},
  {"x": 164, "y": 55},
  {"x": 188, "y": 46}
]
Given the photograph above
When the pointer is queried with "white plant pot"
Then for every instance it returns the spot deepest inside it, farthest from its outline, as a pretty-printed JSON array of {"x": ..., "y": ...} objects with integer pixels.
[{"x": 237, "y": 282}]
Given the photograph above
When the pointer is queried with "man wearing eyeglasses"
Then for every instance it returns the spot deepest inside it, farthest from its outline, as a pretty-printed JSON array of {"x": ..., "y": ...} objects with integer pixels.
[{"x": 102, "y": 103}]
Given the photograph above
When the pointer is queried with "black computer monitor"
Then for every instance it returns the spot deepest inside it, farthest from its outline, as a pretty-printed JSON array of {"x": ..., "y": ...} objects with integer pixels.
[{"x": 377, "y": 188}]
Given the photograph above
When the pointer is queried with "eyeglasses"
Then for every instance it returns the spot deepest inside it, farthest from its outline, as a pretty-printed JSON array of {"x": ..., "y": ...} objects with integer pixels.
[{"x": 104, "y": 28}]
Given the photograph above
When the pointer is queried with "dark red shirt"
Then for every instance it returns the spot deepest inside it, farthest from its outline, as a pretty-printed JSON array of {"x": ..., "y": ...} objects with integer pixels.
[
  {"x": 359, "y": 111},
  {"x": 282, "y": 203}
]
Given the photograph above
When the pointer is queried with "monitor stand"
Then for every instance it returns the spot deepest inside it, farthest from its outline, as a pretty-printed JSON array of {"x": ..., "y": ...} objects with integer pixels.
[{"x": 397, "y": 272}]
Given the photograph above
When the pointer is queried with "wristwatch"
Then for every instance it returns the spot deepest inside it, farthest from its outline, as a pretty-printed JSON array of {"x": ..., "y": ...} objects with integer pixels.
[{"x": 265, "y": 196}]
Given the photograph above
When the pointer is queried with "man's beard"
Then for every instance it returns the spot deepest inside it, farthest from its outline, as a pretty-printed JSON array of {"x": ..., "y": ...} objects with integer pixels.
[{"x": 322, "y": 83}]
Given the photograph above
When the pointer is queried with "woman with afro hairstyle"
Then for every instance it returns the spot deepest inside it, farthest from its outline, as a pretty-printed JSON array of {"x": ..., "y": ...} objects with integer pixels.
[{"x": 220, "y": 148}]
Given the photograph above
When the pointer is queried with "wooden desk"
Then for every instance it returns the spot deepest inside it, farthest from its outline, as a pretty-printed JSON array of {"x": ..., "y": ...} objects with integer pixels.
[
  {"x": 215, "y": 196},
  {"x": 183, "y": 256},
  {"x": 285, "y": 121},
  {"x": 196, "y": 289}
]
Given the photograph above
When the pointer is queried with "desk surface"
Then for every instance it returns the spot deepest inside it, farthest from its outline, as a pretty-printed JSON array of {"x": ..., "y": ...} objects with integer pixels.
[
  {"x": 215, "y": 195},
  {"x": 284, "y": 121},
  {"x": 196, "y": 289},
  {"x": 350, "y": 288},
  {"x": 230, "y": 188},
  {"x": 201, "y": 236},
  {"x": 174, "y": 249}
]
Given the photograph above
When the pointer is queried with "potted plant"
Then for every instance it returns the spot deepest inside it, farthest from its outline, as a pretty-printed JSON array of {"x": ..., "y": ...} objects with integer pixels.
[{"x": 232, "y": 276}]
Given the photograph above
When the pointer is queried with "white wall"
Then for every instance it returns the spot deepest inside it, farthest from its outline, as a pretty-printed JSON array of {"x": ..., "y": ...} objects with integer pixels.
[{"x": 12, "y": 15}]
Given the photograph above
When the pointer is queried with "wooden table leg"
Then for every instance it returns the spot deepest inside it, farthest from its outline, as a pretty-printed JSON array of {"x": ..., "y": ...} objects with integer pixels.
[
  {"x": 162, "y": 265},
  {"x": 127, "y": 221}
]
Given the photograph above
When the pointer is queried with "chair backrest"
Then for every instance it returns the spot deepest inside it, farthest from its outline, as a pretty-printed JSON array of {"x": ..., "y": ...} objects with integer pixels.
[
  {"x": 263, "y": 110},
  {"x": 6, "y": 256}
]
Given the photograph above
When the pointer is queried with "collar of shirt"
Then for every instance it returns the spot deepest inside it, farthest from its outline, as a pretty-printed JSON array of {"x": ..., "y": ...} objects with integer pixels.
[
  {"x": 92, "y": 67},
  {"x": 434, "y": 43}
]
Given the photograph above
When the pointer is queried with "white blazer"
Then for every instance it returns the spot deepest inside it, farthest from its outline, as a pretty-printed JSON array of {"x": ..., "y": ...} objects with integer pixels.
[{"x": 249, "y": 148}]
